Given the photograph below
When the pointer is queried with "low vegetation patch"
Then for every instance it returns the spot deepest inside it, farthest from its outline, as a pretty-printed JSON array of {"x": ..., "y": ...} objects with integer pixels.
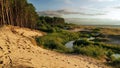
[
  {"x": 89, "y": 43},
  {"x": 115, "y": 62},
  {"x": 89, "y": 48},
  {"x": 56, "y": 41}
]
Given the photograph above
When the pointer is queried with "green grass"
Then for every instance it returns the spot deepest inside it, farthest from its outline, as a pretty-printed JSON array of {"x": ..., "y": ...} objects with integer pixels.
[
  {"x": 115, "y": 63},
  {"x": 89, "y": 48},
  {"x": 56, "y": 40},
  {"x": 95, "y": 49}
]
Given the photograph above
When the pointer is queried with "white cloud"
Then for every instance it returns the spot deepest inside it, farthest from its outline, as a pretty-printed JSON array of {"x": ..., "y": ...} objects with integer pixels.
[
  {"x": 103, "y": 0},
  {"x": 68, "y": 1},
  {"x": 67, "y": 12}
]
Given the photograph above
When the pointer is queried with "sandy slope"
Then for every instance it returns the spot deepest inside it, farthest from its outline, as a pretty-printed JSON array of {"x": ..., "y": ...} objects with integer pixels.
[{"x": 18, "y": 50}]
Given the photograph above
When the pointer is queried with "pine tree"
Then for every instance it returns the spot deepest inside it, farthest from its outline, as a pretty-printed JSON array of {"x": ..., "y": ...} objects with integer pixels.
[{"x": 18, "y": 13}]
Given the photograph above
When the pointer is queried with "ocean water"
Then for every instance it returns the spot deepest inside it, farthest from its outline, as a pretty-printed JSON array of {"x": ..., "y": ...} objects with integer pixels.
[
  {"x": 105, "y": 26},
  {"x": 95, "y": 22}
]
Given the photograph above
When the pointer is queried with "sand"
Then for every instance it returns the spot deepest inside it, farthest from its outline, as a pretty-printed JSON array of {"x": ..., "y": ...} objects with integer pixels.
[{"x": 18, "y": 49}]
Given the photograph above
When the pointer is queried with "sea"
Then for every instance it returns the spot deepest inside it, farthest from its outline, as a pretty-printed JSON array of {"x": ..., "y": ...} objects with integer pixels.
[{"x": 105, "y": 26}]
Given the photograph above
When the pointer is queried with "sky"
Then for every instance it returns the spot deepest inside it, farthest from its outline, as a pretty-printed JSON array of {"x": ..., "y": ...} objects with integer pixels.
[{"x": 80, "y": 9}]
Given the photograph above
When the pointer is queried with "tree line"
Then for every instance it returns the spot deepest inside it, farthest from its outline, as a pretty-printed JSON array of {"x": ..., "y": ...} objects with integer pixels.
[
  {"x": 17, "y": 13},
  {"x": 23, "y": 14},
  {"x": 51, "y": 20},
  {"x": 49, "y": 24}
]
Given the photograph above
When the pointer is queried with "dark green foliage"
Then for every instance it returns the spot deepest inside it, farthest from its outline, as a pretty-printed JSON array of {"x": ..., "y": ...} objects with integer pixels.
[
  {"x": 114, "y": 48},
  {"x": 93, "y": 51},
  {"x": 84, "y": 42},
  {"x": 109, "y": 54},
  {"x": 99, "y": 39},
  {"x": 51, "y": 43},
  {"x": 92, "y": 33},
  {"x": 50, "y": 24},
  {"x": 115, "y": 63},
  {"x": 89, "y": 48},
  {"x": 96, "y": 30},
  {"x": 50, "y": 20},
  {"x": 17, "y": 13},
  {"x": 85, "y": 35}
]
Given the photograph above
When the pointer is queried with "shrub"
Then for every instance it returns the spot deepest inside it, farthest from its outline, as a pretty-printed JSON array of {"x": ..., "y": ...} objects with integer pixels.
[
  {"x": 83, "y": 42},
  {"x": 99, "y": 39},
  {"x": 115, "y": 62},
  {"x": 37, "y": 40},
  {"x": 86, "y": 35},
  {"x": 109, "y": 54},
  {"x": 96, "y": 30},
  {"x": 93, "y": 51},
  {"x": 53, "y": 44}
]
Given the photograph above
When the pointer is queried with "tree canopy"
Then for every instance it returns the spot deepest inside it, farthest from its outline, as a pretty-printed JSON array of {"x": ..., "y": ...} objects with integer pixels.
[
  {"x": 51, "y": 20},
  {"x": 17, "y": 13}
]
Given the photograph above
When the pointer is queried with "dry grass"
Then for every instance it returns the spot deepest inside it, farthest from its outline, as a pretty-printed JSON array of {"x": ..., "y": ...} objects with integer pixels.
[{"x": 111, "y": 31}]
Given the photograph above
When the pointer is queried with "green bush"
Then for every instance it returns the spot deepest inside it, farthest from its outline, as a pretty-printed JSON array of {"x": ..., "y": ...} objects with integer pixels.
[
  {"x": 93, "y": 51},
  {"x": 114, "y": 48},
  {"x": 86, "y": 35},
  {"x": 83, "y": 42},
  {"x": 109, "y": 54},
  {"x": 53, "y": 44},
  {"x": 115, "y": 63},
  {"x": 99, "y": 39},
  {"x": 96, "y": 30}
]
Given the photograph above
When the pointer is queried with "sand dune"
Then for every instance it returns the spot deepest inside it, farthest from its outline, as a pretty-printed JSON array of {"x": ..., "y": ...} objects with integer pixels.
[{"x": 18, "y": 50}]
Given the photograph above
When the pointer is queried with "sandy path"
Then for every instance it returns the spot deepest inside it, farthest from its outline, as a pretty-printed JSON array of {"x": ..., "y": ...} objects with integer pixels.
[{"x": 18, "y": 50}]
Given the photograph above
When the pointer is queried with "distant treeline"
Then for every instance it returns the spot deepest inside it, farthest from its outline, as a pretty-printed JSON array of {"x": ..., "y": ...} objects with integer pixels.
[
  {"x": 49, "y": 24},
  {"x": 17, "y": 13},
  {"x": 51, "y": 20}
]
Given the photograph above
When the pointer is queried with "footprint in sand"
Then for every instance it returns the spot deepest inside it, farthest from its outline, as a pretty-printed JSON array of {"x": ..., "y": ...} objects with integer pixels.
[
  {"x": 45, "y": 53},
  {"x": 5, "y": 42},
  {"x": 9, "y": 51},
  {"x": 18, "y": 47},
  {"x": 63, "y": 60},
  {"x": 24, "y": 41},
  {"x": 8, "y": 48},
  {"x": 56, "y": 58},
  {"x": 44, "y": 67},
  {"x": 52, "y": 56},
  {"x": 75, "y": 65},
  {"x": 1, "y": 62},
  {"x": 6, "y": 57},
  {"x": 1, "y": 48},
  {"x": 28, "y": 51},
  {"x": 32, "y": 51},
  {"x": 23, "y": 48},
  {"x": 87, "y": 66}
]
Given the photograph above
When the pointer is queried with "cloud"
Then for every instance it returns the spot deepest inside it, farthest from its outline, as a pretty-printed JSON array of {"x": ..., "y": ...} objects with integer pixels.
[
  {"x": 68, "y": 1},
  {"x": 49, "y": 13},
  {"x": 59, "y": 13},
  {"x": 117, "y": 7},
  {"x": 71, "y": 1},
  {"x": 103, "y": 0}
]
